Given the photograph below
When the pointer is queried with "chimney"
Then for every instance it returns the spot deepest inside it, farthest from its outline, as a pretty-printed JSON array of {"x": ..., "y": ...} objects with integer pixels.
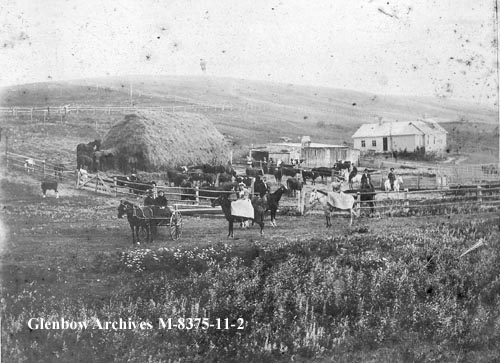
[{"x": 305, "y": 141}]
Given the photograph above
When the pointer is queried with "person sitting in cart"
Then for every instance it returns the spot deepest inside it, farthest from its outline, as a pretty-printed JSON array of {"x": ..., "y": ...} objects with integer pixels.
[
  {"x": 149, "y": 200},
  {"x": 161, "y": 204}
]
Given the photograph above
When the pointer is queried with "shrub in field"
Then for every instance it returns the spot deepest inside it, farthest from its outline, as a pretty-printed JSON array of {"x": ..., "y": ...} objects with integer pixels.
[{"x": 299, "y": 298}]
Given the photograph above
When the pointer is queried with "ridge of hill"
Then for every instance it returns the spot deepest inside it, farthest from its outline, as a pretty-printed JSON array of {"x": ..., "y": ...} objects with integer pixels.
[{"x": 264, "y": 111}]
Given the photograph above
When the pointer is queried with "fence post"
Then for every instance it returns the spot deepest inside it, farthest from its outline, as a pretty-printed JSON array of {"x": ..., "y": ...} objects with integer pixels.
[
  {"x": 418, "y": 181},
  {"x": 406, "y": 202},
  {"x": 43, "y": 169},
  {"x": 96, "y": 181},
  {"x": 31, "y": 114},
  {"x": 115, "y": 186},
  {"x": 358, "y": 198},
  {"x": 197, "y": 191},
  {"x": 479, "y": 194}
]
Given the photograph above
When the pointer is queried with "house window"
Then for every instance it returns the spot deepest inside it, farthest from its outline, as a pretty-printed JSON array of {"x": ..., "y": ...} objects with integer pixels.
[
  {"x": 363, "y": 143},
  {"x": 374, "y": 142}
]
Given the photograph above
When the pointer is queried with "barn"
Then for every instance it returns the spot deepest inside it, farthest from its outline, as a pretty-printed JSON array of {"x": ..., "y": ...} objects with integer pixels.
[
  {"x": 155, "y": 141},
  {"x": 400, "y": 136}
]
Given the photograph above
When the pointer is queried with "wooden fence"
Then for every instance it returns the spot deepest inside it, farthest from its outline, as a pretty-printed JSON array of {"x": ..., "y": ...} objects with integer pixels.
[
  {"x": 438, "y": 201},
  {"x": 61, "y": 111}
]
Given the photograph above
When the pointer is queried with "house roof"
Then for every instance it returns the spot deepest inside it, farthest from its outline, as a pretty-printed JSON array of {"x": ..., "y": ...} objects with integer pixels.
[{"x": 419, "y": 127}]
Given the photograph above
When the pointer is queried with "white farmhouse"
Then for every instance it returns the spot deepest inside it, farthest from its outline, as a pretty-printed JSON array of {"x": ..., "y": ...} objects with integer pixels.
[{"x": 400, "y": 136}]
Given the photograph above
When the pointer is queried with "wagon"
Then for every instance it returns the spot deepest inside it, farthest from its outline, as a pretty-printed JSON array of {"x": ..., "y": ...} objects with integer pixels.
[{"x": 173, "y": 221}]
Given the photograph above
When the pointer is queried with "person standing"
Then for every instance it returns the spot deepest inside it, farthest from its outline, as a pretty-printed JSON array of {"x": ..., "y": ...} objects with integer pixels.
[
  {"x": 392, "y": 178},
  {"x": 366, "y": 180}
]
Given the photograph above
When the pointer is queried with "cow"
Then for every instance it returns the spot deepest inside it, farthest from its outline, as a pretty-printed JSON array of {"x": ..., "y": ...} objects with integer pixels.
[{"x": 49, "y": 185}]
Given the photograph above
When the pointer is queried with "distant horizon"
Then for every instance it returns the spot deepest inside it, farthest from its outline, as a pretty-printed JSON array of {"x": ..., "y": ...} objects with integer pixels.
[{"x": 440, "y": 100}]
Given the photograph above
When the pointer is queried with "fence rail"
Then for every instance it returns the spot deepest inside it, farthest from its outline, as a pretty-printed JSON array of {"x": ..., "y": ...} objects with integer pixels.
[
  {"x": 61, "y": 111},
  {"x": 443, "y": 200}
]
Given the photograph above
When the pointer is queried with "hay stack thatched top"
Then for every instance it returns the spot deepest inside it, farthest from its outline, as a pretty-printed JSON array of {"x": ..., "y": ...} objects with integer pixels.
[{"x": 160, "y": 140}]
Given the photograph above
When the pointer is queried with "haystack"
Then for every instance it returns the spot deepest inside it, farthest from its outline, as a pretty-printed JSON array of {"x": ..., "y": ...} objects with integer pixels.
[{"x": 153, "y": 141}]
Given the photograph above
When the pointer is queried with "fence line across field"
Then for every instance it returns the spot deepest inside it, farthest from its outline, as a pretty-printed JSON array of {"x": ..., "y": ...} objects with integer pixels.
[{"x": 403, "y": 200}]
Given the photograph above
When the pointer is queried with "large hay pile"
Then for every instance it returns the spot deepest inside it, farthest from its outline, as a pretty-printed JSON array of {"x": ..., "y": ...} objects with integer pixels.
[{"x": 152, "y": 141}]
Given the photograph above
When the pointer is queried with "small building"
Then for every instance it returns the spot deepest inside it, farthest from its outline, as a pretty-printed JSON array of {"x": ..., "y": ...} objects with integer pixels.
[
  {"x": 399, "y": 136},
  {"x": 312, "y": 154},
  {"x": 316, "y": 155}
]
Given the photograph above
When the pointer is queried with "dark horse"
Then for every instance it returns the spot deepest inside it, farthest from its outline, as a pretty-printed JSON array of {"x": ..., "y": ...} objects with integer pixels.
[
  {"x": 366, "y": 195},
  {"x": 258, "y": 207},
  {"x": 273, "y": 202},
  {"x": 139, "y": 219}
]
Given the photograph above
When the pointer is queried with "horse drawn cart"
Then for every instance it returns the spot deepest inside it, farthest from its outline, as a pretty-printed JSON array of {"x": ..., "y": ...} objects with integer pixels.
[{"x": 144, "y": 220}]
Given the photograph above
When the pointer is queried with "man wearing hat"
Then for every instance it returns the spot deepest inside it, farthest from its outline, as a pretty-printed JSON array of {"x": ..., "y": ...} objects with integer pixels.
[
  {"x": 149, "y": 200},
  {"x": 392, "y": 178},
  {"x": 161, "y": 203},
  {"x": 366, "y": 180}
]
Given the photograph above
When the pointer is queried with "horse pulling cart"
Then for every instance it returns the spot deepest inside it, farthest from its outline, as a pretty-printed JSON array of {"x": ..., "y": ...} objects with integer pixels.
[{"x": 144, "y": 221}]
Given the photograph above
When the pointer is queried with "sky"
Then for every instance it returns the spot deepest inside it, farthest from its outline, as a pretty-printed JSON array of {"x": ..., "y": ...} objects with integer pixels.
[{"x": 442, "y": 48}]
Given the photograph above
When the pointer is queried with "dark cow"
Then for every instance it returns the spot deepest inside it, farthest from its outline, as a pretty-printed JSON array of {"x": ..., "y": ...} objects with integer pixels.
[
  {"x": 309, "y": 174},
  {"x": 140, "y": 187},
  {"x": 187, "y": 191},
  {"x": 293, "y": 184},
  {"x": 209, "y": 169},
  {"x": 323, "y": 172},
  {"x": 244, "y": 179},
  {"x": 289, "y": 171},
  {"x": 49, "y": 185},
  {"x": 341, "y": 165}
]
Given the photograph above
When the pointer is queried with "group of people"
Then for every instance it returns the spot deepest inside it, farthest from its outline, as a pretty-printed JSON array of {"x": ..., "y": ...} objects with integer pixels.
[
  {"x": 366, "y": 180},
  {"x": 260, "y": 186},
  {"x": 160, "y": 203}
]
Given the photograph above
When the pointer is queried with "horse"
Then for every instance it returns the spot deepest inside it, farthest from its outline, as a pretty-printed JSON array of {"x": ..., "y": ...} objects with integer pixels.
[
  {"x": 29, "y": 165},
  {"x": 138, "y": 219},
  {"x": 293, "y": 184},
  {"x": 333, "y": 201},
  {"x": 258, "y": 208},
  {"x": 397, "y": 184},
  {"x": 49, "y": 185},
  {"x": 273, "y": 200},
  {"x": 84, "y": 162},
  {"x": 88, "y": 149}
]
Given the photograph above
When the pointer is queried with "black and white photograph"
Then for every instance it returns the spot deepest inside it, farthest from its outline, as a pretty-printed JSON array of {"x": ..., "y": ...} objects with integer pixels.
[{"x": 249, "y": 181}]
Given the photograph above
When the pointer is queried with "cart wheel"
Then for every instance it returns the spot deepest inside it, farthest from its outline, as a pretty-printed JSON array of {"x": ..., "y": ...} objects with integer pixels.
[
  {"x": 176, "y": 225},
  {"x": 143, "y": 234}
]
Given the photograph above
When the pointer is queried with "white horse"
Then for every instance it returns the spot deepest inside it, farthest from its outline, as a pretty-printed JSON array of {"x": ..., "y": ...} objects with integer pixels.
[
  {"x": 333, "y": 201},
  {"x": 397, "y": 184}
]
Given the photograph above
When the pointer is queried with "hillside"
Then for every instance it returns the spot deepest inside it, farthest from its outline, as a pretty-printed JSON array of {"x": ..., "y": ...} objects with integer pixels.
[{"x": 325, "y": 114}]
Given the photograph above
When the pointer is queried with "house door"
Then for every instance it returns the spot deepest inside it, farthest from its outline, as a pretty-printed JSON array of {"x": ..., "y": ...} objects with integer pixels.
[{"x": 384, "y": 144}]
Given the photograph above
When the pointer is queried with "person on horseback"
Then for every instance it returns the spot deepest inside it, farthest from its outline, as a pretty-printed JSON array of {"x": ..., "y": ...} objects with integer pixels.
[
  {"x": 392, "y": 178},
  {"x": 366, "y": 180}
]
